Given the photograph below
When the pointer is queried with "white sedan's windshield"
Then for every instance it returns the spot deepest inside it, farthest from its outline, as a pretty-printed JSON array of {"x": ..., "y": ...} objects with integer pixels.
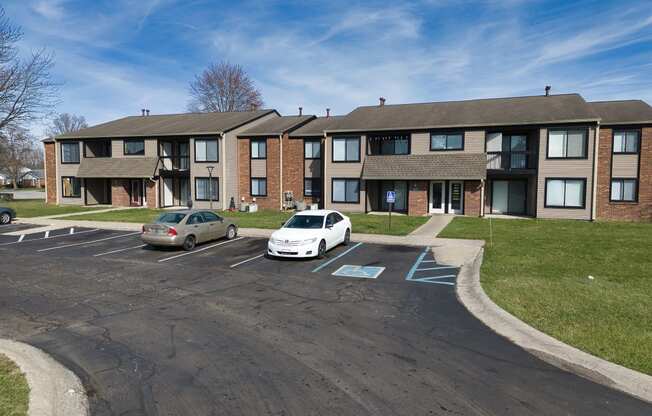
[{"x": 305, "y": 221}]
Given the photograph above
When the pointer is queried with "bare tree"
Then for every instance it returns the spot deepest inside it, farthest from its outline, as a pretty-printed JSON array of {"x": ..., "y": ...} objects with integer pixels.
[
  {"x": 66, "y": 123},
  {"x": 18, "y": 151},
  {"x": 27, "y": 90},
  {"x": 224, "y": 87}
]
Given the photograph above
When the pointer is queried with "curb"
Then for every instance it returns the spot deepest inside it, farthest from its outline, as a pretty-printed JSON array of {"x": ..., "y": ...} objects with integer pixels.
[
  {"x": 472, "y": 296},
  {"x": 54, "y": 390}
]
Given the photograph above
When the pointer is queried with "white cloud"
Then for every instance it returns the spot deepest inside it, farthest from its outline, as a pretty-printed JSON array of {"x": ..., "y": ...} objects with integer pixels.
[{"x": 50, "y": 9}]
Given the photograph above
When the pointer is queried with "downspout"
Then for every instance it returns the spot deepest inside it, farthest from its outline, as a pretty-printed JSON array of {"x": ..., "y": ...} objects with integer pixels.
[
  {"x": 280, "y": 141},
  {"x": 596, "y": 145},
  {"x": 482, "y": 202},
  {"x": 223, "y": 163}
]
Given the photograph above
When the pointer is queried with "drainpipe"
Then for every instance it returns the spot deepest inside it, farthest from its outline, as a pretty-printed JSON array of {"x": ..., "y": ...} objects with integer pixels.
[
  {"x": 482, "y": 183},
  {"x": 280, "y": 145},
  {"x": 223, "y": 163},
  {"x": 596, "y": 145}
]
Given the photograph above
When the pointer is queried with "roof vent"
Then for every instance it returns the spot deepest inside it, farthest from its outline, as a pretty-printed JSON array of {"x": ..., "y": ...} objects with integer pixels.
[
  {"x": 328, "y": 112},
  {"x": 382, "y": 101},
  {"x": 300, "y": 111},
  {"x": 142, "y": 112},
  {"x": 147, "y": 112},
  {"x": 548, "y": 87}
]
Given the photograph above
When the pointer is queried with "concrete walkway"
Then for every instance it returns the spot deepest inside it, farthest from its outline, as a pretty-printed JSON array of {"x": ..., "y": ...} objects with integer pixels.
[
  {"x": 96, "y": 211},
  {"x": 54, "y": 390},
  {"x": 434, "y": 226}
]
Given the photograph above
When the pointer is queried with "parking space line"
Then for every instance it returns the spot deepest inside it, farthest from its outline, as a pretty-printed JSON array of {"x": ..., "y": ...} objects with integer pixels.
[
  {"x": 246, "y": 261},
  {"x": 416, "y": 264},
  {"x": 50, "y": 238},
  {"x": 326, "y": 263},
  {"x": 118, "y": 250},
  {"x": 201, "y": 249},
  {"x": 428, "y": 261},
  {"x": 88, "y": 242},
  {"x": 435, "y": 268},
  {"x": 21, "y": 238},
  {"x": 47, "y": 234}
]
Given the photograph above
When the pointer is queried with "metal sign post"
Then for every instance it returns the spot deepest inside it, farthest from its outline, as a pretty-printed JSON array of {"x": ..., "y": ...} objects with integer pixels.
[{"x": 390, "y": 198}]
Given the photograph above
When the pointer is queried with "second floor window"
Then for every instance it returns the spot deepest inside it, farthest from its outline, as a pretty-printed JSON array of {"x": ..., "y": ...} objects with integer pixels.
[
  {"x": 447, "y": 141},
  {"x": 259, "y": 149},
  {"x": 70, "y": 152},
  {"x": 312, "y": 149},
  {"x": 206, "y": 150},
  {"x": 134, "y": 147},
  {"x": 97, "y": 148},
  {"x": 626, "y": 141},
  {"x": 567, "y": 144},
  {"x": 389, "y": 144},
  {"x": 346, "y": 149}
]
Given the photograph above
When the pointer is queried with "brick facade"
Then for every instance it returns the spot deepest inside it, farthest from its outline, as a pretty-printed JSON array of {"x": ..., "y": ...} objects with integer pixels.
[
  {"x": 418, "y": 198},
  {"x": 293, "y": 167},
  {"x": 120, "y": 192},
  {"x": 50, "y": 172},
  {"x": 472, "y": 200},
  {"x": 273, "y": 198},
  {"x": 243, "y": 171},
  {"x": 150, "y": 194},
  {"x": 629, "y": 211}
]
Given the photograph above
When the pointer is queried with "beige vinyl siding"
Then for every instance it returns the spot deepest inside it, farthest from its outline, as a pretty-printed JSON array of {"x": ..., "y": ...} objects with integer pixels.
[
  {"x": 117, "y": 148},
  {"x": 624, "y": 166},
  {"x": 198, "y": 169},
  {"x": 565, "y": 168},
  {"x": 473, "y": 143},
  {"x": 68, "y": 169},
  {"x": 312, "y": 168},
  {"x": 258, "y": 168},
  {"x": 343, "y": 170}
]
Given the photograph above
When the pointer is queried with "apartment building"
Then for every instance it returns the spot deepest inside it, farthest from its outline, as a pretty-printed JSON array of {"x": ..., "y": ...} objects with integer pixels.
[
  {"x": 548, "y": 156},
  {"x": 153, "y": 161}
]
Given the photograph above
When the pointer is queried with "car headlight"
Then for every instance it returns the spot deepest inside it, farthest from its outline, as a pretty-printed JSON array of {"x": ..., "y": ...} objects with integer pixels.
[
  {"x": 274, "y": 241},
  {"x": 309, "y": 240}
]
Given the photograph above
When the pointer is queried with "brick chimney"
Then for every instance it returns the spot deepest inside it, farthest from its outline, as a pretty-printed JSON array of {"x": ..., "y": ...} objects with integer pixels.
[
  {"x": 300, "y": 111},
  {"x": 382, "y": 101},
  {"x": 328, "y": 112},
  {"x": 548, "y": 87}
]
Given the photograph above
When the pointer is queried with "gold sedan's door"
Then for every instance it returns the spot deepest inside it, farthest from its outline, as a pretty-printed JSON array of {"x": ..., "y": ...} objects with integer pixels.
[{"x": 215, "y": 225}]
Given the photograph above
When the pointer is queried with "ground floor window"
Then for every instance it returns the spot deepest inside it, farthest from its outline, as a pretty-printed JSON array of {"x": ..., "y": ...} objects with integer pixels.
[
  {"x": 623, "y": 190},
  {"x": 565, "y": 192},
  {"x": 508, "y": 196},
  {"x": 346, "y": 191},
  {"x": 206, "y": 189},
  {"x": 258, "y": 186},
  {"x": 70, "y": 187},
  {"x": 312, "y": 187}
]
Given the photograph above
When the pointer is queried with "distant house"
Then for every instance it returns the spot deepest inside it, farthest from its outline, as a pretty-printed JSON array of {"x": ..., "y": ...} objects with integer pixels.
[
  {"x": 32, "y": 179},
  {"x": 5, "y": 179}
]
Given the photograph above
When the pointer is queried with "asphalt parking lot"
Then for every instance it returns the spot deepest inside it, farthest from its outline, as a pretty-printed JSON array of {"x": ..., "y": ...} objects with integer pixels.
[{"x": 369, "y": 330}]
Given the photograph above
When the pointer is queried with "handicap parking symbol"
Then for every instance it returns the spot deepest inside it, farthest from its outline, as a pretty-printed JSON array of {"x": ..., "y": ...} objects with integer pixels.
[{"x": 362, "y": 272}]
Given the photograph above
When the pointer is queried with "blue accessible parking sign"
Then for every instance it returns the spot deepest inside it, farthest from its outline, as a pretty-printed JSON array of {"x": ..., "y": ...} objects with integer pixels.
[{"x": 391, "y": 197}]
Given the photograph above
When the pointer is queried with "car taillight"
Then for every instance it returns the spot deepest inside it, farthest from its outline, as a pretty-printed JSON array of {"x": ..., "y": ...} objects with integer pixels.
[{"x": 172, "y": 231}]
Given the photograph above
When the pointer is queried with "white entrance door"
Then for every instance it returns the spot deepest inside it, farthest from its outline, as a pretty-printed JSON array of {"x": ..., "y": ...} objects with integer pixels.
[
  {"x": 436, "y": 203},
  {"x": 168, "y": 185},
  {"x": 456, "y": 197}
]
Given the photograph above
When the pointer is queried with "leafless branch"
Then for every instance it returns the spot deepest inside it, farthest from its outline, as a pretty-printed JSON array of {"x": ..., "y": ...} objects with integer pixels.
[{"x": 224, "y": 87}]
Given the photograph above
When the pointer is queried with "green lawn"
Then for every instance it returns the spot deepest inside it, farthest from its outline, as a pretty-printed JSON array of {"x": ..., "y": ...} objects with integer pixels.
[
  {"x": 362, "y": 223},
  {"x": 539, "y": 271},
  {"x": 14, "y": 391},
  {"x": 28, "y": 208}
]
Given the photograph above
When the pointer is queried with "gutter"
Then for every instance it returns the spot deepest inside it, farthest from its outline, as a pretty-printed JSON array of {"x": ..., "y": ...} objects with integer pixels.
[
  {"x": 596, "y": 145},
  {"x": 223, "y": 154}
]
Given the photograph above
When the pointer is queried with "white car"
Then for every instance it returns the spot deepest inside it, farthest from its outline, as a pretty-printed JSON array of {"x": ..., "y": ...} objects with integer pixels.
[{"x": 310, "y": 234}]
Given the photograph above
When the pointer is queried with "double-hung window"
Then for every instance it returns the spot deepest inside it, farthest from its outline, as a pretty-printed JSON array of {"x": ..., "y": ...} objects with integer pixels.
[
  {"x": 624, "y": 190},
  {"x": 567, "y": 144},
  {"x": 70, "y": 187},
  {"x": 388, "y": 144},
  {"x": 346, "y": 191},
  {"x": 258, "y": 186},
  {"x": 447, "y": 141},
  {"x": 346, "y": 149},
  {"x": 312, "y": 149},
  {"x": 206, "y": 150},
  {"x": 207, "y": 189},
  {"x": 565, "y": 193},
  {"x": 134, "y": 147},
  {"x": 259, "y": 149},
  {"x": 69, "y": 152},
  {"x": 626, "y": 141},
  {"x": 312, "y": 187}
]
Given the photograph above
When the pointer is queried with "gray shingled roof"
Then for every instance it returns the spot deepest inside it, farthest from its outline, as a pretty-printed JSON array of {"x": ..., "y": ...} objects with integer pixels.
[
  {"x": 276, "y": 126},
  {"x": 623, "y": 112},
  {"x": 435, "y": 166},
  {"x": 168, "y": 125},
  {"x": 116, "y": 167},
  {"x": 564, "y": 108},
  {"x": 317, "y": 126}
]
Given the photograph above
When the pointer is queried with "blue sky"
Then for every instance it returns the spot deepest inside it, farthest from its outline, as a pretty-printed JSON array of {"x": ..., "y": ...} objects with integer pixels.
[{"x": 116, "y": 57}]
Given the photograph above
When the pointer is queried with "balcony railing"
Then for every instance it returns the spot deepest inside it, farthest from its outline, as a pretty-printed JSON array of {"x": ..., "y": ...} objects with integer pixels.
[
  {"x": 174, "y": 163},
  {"x": 510, "y": 160}
]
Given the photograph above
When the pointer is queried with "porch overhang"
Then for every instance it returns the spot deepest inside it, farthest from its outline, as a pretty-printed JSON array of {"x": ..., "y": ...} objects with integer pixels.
[
  {"x": 460, "y": 166},
  {"x": 142, "y": 167}
]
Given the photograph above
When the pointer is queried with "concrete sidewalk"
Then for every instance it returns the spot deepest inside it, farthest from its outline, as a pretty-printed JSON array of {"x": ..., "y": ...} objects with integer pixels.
[{"x": 434, "y": 226}]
